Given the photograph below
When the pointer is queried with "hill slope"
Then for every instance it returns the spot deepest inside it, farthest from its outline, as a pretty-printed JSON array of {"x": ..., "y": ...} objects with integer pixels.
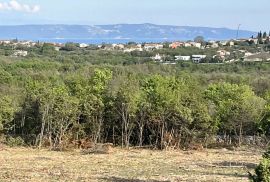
[{"x": 124, "y": 32}]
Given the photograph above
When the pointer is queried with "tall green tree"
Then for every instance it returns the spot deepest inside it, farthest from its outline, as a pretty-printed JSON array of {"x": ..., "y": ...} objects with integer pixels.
[
  {"x": 237, "y": 108},
  {"x": 7, "y": 114}
]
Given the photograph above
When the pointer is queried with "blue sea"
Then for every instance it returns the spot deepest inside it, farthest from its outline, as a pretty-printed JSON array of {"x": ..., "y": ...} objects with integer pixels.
[{"x": 107, "y": 41}]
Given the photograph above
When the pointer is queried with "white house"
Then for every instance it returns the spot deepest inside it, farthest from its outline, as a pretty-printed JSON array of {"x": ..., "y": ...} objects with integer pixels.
[
  {"x": 118, "y": 46},
  {"x": 231, "y": 43},
  {"x": 83, "y": 45},
  {"x": 20, "y": 53},
  {"x": 186, "y": 44},
  {"x": 198, "y": 58},
  {"x": 6, "y": 42},
  {"x": 152, "y": 46},
  {"x": 214, "y": 45},
  {"x": 196, "y": 44},
  {"x": 223, "y": 53},
  {"x": 157, "y": 57},
  {"x": 256, "y": 41},
  {"x": 182, "y": 58},
  {"x": 248, "y": 54},
  {"x": 57, "y": 48},
  {"x": 224, "y": 42}
]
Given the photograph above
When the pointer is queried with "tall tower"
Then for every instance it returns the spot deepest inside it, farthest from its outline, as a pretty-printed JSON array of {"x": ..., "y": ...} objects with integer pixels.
[{"x": 237, "y": 33}]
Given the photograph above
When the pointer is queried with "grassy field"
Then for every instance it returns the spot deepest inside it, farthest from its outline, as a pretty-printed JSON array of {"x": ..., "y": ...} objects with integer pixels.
[{"x": 23, "y": 164}]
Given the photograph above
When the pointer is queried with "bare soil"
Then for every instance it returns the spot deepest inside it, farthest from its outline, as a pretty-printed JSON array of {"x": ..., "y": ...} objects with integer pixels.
[{"x": 25, "y": 164}]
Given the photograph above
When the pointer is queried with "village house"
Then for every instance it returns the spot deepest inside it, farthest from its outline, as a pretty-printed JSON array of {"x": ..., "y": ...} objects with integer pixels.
[
  {"x": 182, "y": 58},
  {"x": 131, "y": 48},
  {"x": 256, "y": 41},
  {"x": 213, "y": 44},
  {"x": 231, "y": 43},
  {"x": 57, "y": 48},
  {"x": 83, "y": 45},
  {"x": 157, "y": 57},
  {"x": 223, "y": 53},
  {"x": 139, "y": 46},
  {"x": 224, "y": 42},
  {"x": 175, "y": 45},
  {"x": 196, "y": 44},
  {"x": 26, "y": 43},
  {"x": 187, "y": 44},
  {"x": 198, "y": 58},
  {"x": 248, "y": 54},
  {"x": 20, "y": 53},
  {"x": 150, "y": 47},
  {"x": 6, "y": 42},
  {"x": 118, "y": 46}
]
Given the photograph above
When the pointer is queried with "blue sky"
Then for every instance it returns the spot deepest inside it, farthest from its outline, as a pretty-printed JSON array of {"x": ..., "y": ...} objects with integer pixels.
[{"x": 252, "y": 15}]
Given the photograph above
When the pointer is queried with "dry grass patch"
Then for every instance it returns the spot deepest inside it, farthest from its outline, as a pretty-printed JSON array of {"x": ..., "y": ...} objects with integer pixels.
[{"x": 23, "y": 164}]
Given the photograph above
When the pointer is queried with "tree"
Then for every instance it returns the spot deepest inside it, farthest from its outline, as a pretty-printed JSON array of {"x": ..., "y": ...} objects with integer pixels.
[
  {"x": 237, "y": 108},
  {"x": 199, "y": 39},
  {"x": 92, "y": 96},
  {"x": 127, "y": 103},
  {"x": 262, "y": 171},
  {"x": 259, "y": 35},
  {"x": 69, "y": 46},
  {"x": 7, "y": 113},
  {"x": 48, "y": 49},
  {"x": 40, "y": 100},
  {"x": 175, "y": 114},
  {"x": 265, "y": 122},
  {"x": 64, "y": 115},
  {"x": 264, "y": 35}
]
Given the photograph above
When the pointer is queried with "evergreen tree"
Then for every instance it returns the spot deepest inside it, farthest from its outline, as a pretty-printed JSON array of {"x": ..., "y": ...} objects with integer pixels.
[
  {"x": 259, "y": 35},
  {"x": 264, "y": 35}
]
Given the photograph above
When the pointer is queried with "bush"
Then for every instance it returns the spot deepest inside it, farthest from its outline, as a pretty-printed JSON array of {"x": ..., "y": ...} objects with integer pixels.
[
  {"x": 262, "y": 171},
  {"x": 15, "y": 141}
]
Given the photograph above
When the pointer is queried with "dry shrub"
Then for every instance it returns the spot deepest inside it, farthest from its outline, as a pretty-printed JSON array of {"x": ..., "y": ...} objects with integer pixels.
[
  {"x": 196, "y": 146},
  {"x": 85, "y": 144},
  {"x": 99, "y": 148}
]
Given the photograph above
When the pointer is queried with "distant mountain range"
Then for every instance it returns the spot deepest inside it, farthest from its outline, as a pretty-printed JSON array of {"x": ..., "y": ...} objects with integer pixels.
[{"x": 117, "y": 33}]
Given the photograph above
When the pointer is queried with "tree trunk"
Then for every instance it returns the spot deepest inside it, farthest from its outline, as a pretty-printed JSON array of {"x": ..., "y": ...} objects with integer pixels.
[
  {"x": 141, "y": 135},
  {"x": 162, "y": 136},
  {"x": 43, "y": 126},
  {"x": 240, "y": 134}
]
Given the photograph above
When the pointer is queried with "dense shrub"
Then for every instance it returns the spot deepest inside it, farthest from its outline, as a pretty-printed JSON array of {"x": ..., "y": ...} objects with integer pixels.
[
  {"x": 14, "y": 141},
  {"x": 262, "y": 171}
]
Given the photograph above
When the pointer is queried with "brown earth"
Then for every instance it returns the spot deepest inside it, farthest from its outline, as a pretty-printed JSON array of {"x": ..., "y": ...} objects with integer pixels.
[{"x": 135, "y": 165}]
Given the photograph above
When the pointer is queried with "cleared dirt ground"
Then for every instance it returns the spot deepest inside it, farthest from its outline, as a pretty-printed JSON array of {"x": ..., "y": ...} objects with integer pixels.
[{"x": 25, "y": 164}]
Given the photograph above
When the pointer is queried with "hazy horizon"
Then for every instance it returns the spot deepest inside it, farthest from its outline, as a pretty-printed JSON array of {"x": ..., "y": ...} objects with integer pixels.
[
  {"x": 209, "y": 13},
  {"x": 126, "y": 24}
]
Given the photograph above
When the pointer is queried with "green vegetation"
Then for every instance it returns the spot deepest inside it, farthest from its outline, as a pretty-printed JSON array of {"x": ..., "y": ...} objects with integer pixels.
[
  {"x": 51, "y": 98},
  {"x": 262, "y": 171}
]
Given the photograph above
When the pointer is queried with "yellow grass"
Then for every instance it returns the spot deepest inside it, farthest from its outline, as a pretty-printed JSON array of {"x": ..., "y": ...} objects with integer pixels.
[{"x": 23, "y": 164}]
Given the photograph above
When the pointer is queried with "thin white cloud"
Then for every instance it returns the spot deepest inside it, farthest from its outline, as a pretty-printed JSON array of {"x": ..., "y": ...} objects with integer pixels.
[{"x": 14, "y": 5}]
